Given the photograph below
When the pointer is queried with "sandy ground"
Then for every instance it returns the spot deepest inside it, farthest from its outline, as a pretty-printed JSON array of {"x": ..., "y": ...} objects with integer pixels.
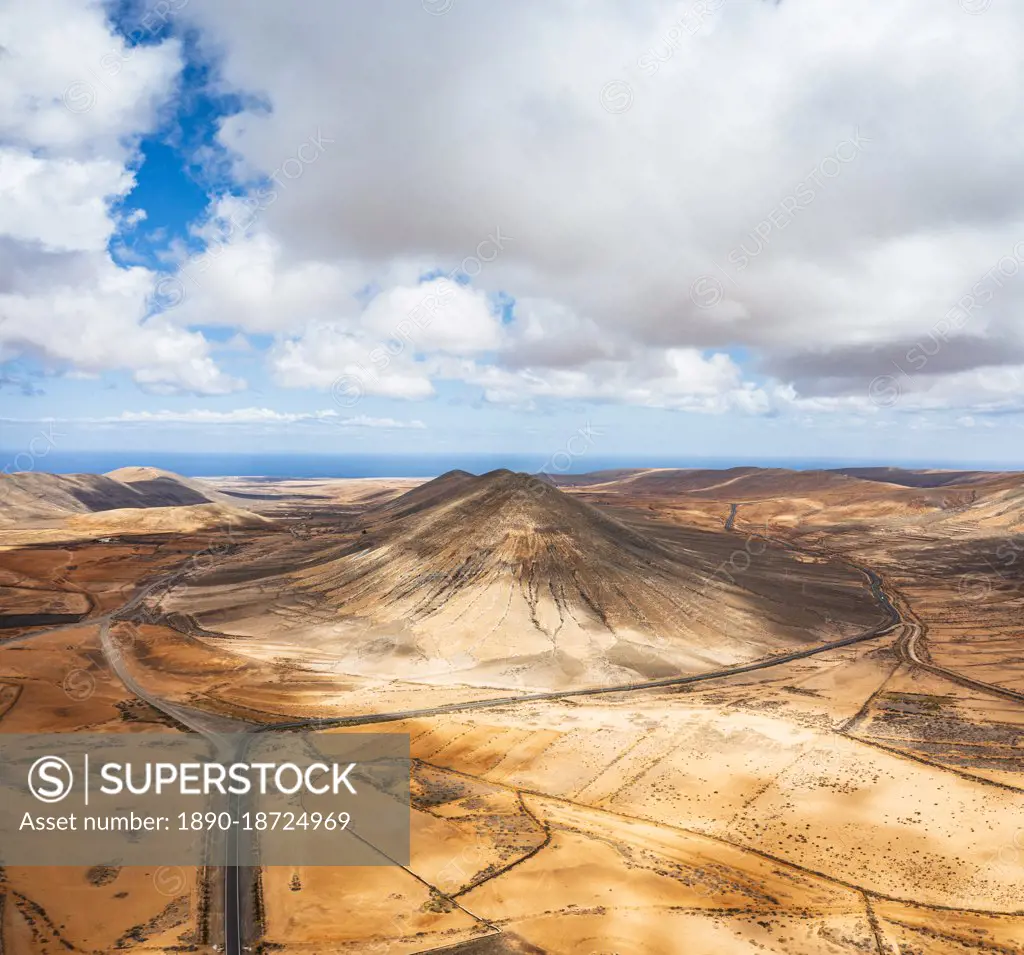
[
  {"x": 502, "y": 582},
  {"x": 102, "y": 909},
  {"x": 57, "y": 680},
  {"x": 717, "y": 814},
  {"x": 848, "y": 802}
]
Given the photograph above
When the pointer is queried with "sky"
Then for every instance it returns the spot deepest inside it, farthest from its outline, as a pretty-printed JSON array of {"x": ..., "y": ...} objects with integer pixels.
[{"x": 715, "y": 228}]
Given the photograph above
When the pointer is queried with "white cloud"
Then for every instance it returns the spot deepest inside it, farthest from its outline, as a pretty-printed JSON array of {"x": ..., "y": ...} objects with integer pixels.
[
  {"x": 615, "y": 215},
  {"x": 237, "y": 416},
  {"x": 679, "y": 379},
  {"x": 206, "y": 416},
  {"x": 459, "y": 320},
  {"x": 387, "y": 424},
  {"x": 826, "y": 198},
  {"x": 82, "y": 311},
  {"x": 247, "y": 280},
  {"x": 327, "y": 357},
  {"x": 985, "y": 390},
  {"x": 74, "y": 100},
  {"x": 60, "y": 203},
  {"x": 73, "y": 87}
]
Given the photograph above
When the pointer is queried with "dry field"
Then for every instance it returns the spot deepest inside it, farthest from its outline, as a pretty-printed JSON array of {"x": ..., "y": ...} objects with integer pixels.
[
  {"x": 865, "y": 796},
  {"x": 54, "y": 678}
]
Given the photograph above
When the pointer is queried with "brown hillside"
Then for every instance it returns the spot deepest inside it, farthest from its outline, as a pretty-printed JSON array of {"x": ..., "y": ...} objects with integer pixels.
[{"x": 508, "y": 578}]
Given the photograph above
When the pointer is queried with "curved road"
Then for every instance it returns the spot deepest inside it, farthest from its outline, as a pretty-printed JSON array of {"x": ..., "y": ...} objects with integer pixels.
[
  {"x": 764, "y": 664},
  {"x": 214, "y": 727},
  {"x": 907, "y": 647}
]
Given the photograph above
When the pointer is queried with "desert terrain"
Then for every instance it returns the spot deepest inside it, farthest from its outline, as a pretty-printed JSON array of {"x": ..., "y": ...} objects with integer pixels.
[{"x": 650, "y": 711}]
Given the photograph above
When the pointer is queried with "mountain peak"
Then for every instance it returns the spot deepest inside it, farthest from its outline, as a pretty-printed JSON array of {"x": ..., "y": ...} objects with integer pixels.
[{"x": 506, "y": 577}]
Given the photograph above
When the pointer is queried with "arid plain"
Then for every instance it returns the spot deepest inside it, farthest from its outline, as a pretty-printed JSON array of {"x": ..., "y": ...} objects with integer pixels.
[{"x": 651, "y": 711}]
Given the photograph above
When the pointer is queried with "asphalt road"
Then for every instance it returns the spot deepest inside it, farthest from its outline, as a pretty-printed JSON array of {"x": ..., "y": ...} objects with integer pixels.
[
  {"x": 773, "y": 661},
  {"x": 214, "y": 727},
  {"x": 211, "y": 727},
  {"x": 909, "y": 650}
]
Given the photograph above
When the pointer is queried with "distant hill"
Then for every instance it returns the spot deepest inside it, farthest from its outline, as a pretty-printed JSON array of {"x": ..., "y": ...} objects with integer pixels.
[
  {"x": 971, "y": 499},
  {"x": 33, "y": 498},
  {"x": 914, "y": 478},
  {"x": 591, "y": 477},
  {"x": 156, "y": 485},
  {"x": 720, "y": 484}
]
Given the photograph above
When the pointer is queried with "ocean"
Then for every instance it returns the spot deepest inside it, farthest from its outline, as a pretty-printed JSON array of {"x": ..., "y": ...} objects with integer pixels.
[{"x": 405, "y": 465}]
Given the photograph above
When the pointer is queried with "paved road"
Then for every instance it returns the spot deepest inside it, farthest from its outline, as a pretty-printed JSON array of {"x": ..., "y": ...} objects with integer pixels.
[
  {"x": 217, "y": 729},
  {"x": 490, "y": 703},
  {"x": 214, "y": 727},
  {"x": 909, "y": 645},
  {"x": 909, "y": 650}
]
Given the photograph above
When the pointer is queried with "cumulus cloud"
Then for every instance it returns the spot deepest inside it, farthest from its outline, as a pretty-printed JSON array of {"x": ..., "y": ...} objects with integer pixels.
[
  {"x": 75, "y": 88},
  {"x": 847, "y": 196},
  {"x": 455, "y": 319},
  {"x": 62, "y": 204},
  {"x": 757, "y": 215},
  {"x": 327, "y": 357},
  {"x": 678, "y": 378},
  {"x": 75, "y": 99},
  {"x": 389, "y": 424}
]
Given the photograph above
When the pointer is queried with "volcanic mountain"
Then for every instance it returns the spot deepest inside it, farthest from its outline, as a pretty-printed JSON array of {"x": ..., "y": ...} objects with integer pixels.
[{"x": 505, "y": 580}]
